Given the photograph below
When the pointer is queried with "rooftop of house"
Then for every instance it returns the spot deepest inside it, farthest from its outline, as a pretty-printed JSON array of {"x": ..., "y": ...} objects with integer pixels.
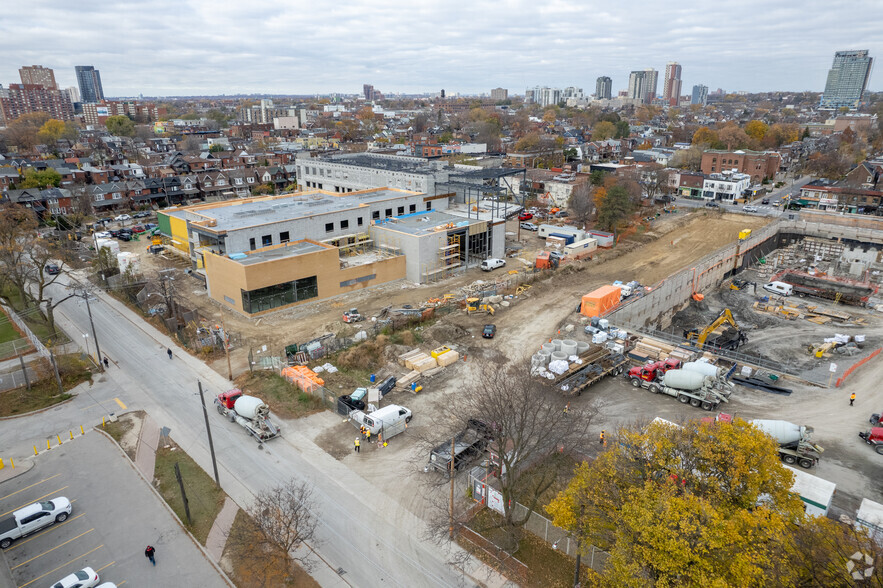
[{"x": 233, "y": 215}]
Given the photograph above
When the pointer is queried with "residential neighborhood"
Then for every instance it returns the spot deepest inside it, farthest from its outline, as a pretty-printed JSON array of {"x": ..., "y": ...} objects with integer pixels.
[{"x": 305, "y": 309}]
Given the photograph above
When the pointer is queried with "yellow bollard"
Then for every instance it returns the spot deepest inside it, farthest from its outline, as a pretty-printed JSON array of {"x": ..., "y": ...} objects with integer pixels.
[
  {"x": 35, "y": 450},
  {"x": 102, "y": 422},
  {"x": 59, "y": 439},
  {"x": 2, "y": 465},
  {"x": 47, "y": 444},
  {"x": 12, "y": 461},
  {"x": 82, "y": 432},
  {"x": 72, "y": 435}
]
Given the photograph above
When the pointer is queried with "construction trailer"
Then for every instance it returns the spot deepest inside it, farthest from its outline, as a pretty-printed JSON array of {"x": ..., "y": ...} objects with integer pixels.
[{"x": 599, "y": 301}]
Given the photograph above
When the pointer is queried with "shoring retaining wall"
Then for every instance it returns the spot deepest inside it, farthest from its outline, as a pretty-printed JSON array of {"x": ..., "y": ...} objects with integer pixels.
[{"x": 656, "y": 308}]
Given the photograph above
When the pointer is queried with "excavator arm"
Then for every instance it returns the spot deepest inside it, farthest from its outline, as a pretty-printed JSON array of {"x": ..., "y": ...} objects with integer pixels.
[{"x": 724, "y": 317}]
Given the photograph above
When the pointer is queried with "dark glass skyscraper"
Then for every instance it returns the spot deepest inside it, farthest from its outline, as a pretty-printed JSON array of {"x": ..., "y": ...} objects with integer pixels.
[{"x": 89, "y": 80}]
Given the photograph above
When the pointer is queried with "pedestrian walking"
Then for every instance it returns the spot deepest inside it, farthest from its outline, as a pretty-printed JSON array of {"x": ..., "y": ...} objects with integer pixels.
[
  {"x": 566, "y": 409},
  {"x": 169, "y": 350},
  {"x": 851, "y": 398},
  {"x": 602, "y": 439},
  {"x": 106, "y": 363},
  {"x": 356, "y": 447},
  {"x": 150, "y": 553}
]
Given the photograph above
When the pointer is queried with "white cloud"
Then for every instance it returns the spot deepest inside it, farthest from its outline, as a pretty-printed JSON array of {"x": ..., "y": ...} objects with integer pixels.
[{"x": 168, "y": 47}]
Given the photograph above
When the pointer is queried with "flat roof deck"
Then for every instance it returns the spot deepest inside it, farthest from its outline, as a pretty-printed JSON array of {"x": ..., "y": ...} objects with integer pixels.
[
  {"x": 424, "y": 223},
  {"x": 271, "y": 253},
  {"x": 234, "y": 215}
]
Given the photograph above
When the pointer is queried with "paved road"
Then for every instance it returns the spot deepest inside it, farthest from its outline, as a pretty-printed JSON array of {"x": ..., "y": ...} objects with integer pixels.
[
  {"x": 364, "y": 539},
  {"x": 779, "y": 194}
]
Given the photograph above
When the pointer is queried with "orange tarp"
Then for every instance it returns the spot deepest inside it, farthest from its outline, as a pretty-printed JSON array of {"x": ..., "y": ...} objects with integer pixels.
[{"x": 600, "y": 301}]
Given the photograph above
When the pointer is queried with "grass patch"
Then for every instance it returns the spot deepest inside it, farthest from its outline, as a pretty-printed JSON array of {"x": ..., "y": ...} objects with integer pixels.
[
  {"x": 7, "y": 329},
  {"x": 120, "y": 432},
  {"x": 44, "y": 391},
  {"x": 204, "y": 497},
  {"x": 548, "y": 567},
  {"x": 250, "y": 569},
  {"x": 284, "y": 398}
]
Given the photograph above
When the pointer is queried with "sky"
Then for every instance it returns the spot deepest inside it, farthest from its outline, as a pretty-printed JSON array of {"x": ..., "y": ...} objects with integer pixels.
[{"x": 194, "y": 47}]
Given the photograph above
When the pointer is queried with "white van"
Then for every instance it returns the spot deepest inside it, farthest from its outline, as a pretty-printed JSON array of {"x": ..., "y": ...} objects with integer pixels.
[
  {"x": 385, "y": 418},
  {"x": 780, "y": 288},
  {"x": 492, "y": 264}
]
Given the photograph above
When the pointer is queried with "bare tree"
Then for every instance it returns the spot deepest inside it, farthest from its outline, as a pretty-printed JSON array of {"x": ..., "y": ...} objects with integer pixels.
[
  {"x": 531, "y": 435},
  {"x": 581, "y": 206}
]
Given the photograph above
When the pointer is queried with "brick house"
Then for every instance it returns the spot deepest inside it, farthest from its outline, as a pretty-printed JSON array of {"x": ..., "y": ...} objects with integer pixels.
[{"x": 760, "y": 165}]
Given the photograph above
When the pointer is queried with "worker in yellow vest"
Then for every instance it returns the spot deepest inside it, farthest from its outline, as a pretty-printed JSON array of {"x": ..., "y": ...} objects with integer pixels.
[{"x": 356, "y": 447}]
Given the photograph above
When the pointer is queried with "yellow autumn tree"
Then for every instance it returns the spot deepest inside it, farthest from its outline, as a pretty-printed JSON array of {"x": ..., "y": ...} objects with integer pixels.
[
  {"x": 704, "y": 136},
  {"x": 700, "y": 505},
  {"x": 756, "y": 129}
]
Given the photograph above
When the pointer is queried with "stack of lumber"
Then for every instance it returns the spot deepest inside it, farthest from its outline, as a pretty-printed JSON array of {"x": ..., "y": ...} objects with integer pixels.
[
  {"x": 447, "y": 358},
  {"x": 405, "y": 381}
]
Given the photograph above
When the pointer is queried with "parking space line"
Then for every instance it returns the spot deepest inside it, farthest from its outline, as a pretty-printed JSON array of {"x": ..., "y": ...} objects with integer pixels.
[
  {"x": 50, "y": 550},
  {"x": 106, "y": 566},
  {"x": 41, "y": 533},
  {"x": 27, "y": 487},
  {"x": 61, "y": 566},
  {"x": 32, "y": 501},
  {"x": 120, "y": 402}
]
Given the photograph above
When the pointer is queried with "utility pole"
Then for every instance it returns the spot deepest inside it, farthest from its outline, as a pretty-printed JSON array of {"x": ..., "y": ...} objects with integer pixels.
[
  {"x": 451, "y": 520},
  {"x": 94, "y": 335},
  {"x": 211, "y": 445}
]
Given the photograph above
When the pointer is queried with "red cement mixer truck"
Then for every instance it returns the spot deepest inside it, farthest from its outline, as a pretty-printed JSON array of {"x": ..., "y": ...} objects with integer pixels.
[{"x": 248, "y": 412}]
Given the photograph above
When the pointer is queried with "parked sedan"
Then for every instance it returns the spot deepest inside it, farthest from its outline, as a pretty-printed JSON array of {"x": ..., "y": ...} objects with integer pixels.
[
  {"x": 52, "y": 269},
  {"x": 525, "y": 216},
  {"x": 85, "y": 578},
  {"x": 529, "y": 227},
  {"x": 489, "y": 331},
  {"x": 141, "y": 215},
  {"x": 122, "y": 217},
  {"x": 138, "y": 229},
  {"x": 749, "y": 208},
  {"x": 712, "y": 204}
]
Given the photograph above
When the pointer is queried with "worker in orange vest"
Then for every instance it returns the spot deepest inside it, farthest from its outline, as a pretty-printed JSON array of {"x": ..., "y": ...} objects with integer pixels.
[
  {"x": 851, "y": 398},
  {"x": 602, "y": 439}
]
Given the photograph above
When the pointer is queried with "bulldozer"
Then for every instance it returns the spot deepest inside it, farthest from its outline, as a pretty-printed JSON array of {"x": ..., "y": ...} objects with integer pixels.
[
  {"x": 474, "y": 305},
  {"x": 729, "y": 338}
]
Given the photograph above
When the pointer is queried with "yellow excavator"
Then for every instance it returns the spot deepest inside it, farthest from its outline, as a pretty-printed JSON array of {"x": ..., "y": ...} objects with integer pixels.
[{"x": 728, "y": 339}]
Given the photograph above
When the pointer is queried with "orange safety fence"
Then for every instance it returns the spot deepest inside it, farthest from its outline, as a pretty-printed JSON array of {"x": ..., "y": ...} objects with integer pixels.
[{"x": 857, "y": 365}]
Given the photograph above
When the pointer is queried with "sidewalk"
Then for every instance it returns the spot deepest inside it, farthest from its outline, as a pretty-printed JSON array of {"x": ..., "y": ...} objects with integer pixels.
[
  {"x": 217, "y": 536},
  {"x": 145, "y": 452}
]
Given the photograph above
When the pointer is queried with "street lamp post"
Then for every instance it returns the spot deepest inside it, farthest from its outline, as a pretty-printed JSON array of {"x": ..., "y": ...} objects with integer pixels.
[{"x": 86, "y": 341}]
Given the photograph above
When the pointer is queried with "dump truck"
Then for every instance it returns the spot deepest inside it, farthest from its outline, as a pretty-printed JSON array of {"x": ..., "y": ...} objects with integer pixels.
[
  {"x": 597, "y": 362},
  {"x": 795, "y": 441},
  {"x": 248, "y": 412},
  {"x": 469, "y": 444},
  {"x": 691, "y": 388}
]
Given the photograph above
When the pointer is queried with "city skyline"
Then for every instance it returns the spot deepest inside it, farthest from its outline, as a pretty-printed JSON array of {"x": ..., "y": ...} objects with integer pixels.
[{"x": 456, "y": 46}]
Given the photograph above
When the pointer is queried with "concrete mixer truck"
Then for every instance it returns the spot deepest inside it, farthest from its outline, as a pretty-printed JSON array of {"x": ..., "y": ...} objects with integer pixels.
[
  {"x": 248, "y": 412},
  {"x": 795, "y": 441},
  {"x": 693, "y": 388}
]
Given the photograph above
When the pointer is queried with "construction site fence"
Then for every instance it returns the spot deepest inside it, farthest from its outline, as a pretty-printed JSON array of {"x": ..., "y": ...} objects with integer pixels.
[
  {"x": 857, "y": 365},
  {"x": 15, "y": 378},
  {"x": 26, "y": 331},
  {"x": 538, "y": 525},
  {"x": 11, "y": 349}
]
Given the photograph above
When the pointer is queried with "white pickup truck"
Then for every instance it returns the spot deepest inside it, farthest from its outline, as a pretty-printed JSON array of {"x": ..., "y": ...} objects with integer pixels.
[{"x": 32, "y": 518}]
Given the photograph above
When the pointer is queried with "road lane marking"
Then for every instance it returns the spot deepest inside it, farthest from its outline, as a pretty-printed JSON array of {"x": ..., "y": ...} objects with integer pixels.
[
  {"x": 120, "y": 402},
  {"x": 106, "y": 566},
  {"x": 32, "y": 502},
  {"x": 61, "y": 566},
  {"x": 51, "y": 550},
  {"x": 41, "y": 533},
  {"x": 31, "y": 486}
]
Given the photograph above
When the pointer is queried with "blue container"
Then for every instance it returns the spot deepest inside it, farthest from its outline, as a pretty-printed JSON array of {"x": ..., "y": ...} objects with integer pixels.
[
  {"x": 373, "y": 378},
  {"x": 413, "y": 386}
]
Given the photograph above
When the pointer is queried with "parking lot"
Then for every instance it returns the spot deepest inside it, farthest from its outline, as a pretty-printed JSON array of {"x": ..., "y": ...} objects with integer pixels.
[{"x": 115, "y": 516}]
